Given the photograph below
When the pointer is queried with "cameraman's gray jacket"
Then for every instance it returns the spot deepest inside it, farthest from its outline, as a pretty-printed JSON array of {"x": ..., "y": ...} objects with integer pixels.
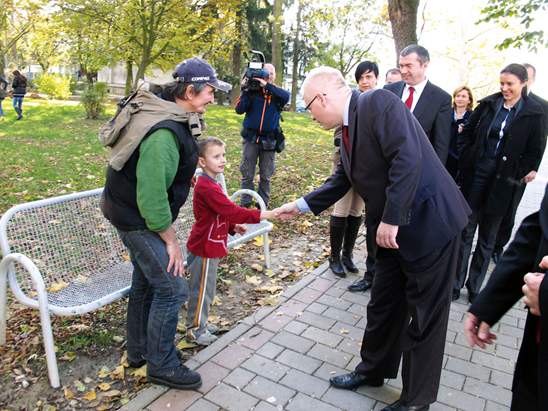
[{"x": 139, "y": 114}]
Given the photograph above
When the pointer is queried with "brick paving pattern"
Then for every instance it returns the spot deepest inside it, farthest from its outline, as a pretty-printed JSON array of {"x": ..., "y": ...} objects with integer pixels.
[{"x": 282, "y": 357}]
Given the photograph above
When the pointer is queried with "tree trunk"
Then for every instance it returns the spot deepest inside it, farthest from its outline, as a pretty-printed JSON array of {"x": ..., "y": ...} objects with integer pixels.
[
  {"x": 2, "y": 63},
  {"x": 296, "y": 46},
  {"x": 237, "y": 54},
  {"x": 277, "y": 41},
  {"x": 129, "y": 76},
  {"x": 403, "y": 19}
]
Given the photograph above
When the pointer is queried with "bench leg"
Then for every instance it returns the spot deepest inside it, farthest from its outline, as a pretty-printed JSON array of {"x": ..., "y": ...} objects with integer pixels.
[
  {"x": 3, "y": 301},
  {"x": 266, "y": 250},
  {"x": 49, "y": 345}
]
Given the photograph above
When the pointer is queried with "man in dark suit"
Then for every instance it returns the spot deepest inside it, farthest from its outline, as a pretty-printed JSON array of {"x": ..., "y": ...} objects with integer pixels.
[
  {"x": 416, "y": 213},
  {"x": 528, "y": 253},
  {"x": 507, "y": 224},
  {"x": 428, "y": 103}
]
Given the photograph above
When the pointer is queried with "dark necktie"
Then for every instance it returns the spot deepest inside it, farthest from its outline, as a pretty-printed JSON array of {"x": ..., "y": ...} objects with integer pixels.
[
  {"x": 346, "y": 139},
  {"x": 409, "y": 101}
]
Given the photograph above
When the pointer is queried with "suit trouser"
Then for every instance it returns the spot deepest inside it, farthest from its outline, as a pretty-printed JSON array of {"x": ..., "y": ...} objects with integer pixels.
[
  {"x": 488, "y": 226},
  {"x": 371, "y": 243},
  {"x": 203, "y": 279},
  {"x": 407, "y": 315}
]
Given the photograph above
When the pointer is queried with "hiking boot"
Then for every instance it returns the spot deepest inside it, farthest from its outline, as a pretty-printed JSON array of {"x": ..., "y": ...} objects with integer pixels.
[
  {"x": 204, "y": 338},
  {"x": 179, "y": 377},
  {"x": 212, "y": 328}
]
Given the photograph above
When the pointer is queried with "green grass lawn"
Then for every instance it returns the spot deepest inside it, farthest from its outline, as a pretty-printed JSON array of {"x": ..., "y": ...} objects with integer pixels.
[{"x": 54, "y": 150}]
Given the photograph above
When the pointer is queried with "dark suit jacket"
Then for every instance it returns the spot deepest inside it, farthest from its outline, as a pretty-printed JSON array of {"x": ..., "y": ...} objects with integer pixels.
[
  {"x": 433, "y": 110},
  {"x": 394, "y": 168},
  {"x": 504, "y": 290}
]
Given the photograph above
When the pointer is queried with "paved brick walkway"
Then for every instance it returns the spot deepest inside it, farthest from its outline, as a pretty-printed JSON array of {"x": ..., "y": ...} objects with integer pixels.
[{"x": 281, "y": 358}]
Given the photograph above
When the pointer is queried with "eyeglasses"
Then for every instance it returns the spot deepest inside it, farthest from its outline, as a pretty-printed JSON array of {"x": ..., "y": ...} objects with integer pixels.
[{"x": 312, "y": 101}]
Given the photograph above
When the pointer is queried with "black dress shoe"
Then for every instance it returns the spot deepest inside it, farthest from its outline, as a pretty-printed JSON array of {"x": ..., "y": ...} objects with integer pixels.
[
  {"x": 336, "y": 267},
  {"x": 360, "y": 285},
  {"x": 398, "y": 406},
  {"x": 354, "y": 380}
]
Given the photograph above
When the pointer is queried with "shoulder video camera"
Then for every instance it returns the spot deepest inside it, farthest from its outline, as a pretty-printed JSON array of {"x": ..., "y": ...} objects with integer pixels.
[{"x": 255, "y": 69}]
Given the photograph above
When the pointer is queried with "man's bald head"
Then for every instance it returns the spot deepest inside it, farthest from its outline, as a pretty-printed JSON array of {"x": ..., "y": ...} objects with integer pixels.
[
  {"x": 272, "y": 71},
  {"x": 325, "y": 93},
  {"x": 324, "y": 79}
]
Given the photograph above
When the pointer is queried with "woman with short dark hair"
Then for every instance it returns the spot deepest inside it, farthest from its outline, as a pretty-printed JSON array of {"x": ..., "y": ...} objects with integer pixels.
[{"x": 502, "y": 142}]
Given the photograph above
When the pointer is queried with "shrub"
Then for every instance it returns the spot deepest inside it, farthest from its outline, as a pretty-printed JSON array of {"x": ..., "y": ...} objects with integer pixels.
[
  {"x": 93, "y": 99},
  {"x": 54, "y": 85}
]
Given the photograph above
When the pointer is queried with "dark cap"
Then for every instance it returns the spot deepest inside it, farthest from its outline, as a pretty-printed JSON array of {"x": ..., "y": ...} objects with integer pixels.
[{"x": 197, "y": 70}]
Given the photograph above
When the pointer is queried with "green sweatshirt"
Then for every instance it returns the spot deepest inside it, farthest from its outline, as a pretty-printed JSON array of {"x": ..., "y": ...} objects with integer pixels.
[{"x": 156, "y": 169}]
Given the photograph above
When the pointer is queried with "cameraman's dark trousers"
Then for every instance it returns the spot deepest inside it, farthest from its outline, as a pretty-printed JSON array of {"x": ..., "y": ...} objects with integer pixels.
[{"x": 251, "y": 151}]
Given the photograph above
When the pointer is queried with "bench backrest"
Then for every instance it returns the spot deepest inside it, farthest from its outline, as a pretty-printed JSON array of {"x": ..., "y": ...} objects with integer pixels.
[{"x": 68, "y": 238}]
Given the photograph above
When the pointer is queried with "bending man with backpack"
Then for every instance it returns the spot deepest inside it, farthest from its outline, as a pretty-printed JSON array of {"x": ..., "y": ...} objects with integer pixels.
[{"x": 153, "y": 159}]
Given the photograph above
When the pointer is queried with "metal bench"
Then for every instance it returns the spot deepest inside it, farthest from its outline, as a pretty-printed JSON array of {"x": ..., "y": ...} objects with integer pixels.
[{"x": 61, "y": 256}]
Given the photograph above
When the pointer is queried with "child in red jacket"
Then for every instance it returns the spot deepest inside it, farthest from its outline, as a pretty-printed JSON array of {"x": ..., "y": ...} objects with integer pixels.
[{"x": 215, "y": 217}]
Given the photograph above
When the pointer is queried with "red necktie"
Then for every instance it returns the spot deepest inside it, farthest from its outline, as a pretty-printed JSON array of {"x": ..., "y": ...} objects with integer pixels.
[
  {"x": 346, "y": 139},
  {"x": 409, "y": 101}
]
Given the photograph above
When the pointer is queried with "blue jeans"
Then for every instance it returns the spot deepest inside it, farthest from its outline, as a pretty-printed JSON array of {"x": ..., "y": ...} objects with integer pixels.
[
  {"x": 155, "y": 299},
  {"x": 18, "y": 104}
]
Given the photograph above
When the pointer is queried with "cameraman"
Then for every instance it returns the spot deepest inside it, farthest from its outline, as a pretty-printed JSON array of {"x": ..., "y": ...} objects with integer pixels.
[{"x": 261, "y": 131}]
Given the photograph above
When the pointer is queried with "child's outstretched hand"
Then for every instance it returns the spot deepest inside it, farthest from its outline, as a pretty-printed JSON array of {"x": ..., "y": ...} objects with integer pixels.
[{"x": 240, "y": 228}]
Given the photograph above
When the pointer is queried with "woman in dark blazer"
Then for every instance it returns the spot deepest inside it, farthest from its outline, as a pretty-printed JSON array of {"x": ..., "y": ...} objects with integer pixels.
[
  {"x": 501, "y": 143},
  {"x": 463, "y": 103}
]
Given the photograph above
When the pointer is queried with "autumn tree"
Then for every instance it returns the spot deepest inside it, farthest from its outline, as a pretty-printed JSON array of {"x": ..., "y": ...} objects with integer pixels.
[
  {"x": 159, "y": 32},
  {"x": 16, "y": 21}
]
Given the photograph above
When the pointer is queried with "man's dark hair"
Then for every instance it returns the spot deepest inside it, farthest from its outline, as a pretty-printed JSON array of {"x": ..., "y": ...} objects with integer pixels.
[
  {"x": 422, "y": 53},
  {"x": 204, "y": 143},
  {"x": 178, "y": 88},
  {"x": 517, "y": 70},
  {"x": 530, "y": 66},
  {"x": 366, "y": 67}
]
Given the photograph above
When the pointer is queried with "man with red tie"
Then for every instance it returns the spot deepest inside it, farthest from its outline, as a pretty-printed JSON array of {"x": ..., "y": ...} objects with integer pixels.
[
  {"x": 428, "y": 103},
  {"x": 416, "y": 214}
]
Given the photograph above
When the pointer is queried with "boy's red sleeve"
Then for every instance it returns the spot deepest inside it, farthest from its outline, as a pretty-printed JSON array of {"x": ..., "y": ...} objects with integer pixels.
[{"x": 221, "y": 204}]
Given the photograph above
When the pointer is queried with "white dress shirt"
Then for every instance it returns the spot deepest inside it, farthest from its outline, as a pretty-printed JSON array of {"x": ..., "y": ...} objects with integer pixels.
[{"x": 419, "y": 88}]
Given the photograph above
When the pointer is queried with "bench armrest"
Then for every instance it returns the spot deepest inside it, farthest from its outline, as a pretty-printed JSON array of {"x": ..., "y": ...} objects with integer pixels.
[
  {"x": 36, "y": 277},
  {"x": 251, "y": 193}
]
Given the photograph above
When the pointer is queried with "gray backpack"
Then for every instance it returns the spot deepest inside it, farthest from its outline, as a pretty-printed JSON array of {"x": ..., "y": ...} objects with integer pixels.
[{"x": 135, "y": 116}]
